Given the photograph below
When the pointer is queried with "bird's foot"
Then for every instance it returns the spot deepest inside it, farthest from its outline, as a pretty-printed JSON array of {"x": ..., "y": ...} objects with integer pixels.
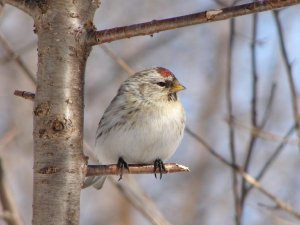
[
  {"x": 121, "y": 165},
  {"x": 159, "y": 165}
]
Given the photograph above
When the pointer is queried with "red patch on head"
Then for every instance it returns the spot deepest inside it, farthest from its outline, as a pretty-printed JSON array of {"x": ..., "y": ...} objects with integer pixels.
[{"x": 164, "y": 72}]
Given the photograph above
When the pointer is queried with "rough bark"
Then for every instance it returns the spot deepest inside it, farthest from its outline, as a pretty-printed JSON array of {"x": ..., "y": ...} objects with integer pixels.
[{"x": 59, "y": 162}]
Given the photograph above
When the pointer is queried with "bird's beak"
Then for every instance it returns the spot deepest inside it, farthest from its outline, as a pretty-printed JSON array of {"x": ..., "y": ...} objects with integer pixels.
[{"x": 177, "y": 87}]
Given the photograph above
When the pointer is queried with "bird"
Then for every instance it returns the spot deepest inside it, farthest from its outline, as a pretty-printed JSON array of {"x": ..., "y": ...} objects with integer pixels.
[{"x": 143, "y": 124}]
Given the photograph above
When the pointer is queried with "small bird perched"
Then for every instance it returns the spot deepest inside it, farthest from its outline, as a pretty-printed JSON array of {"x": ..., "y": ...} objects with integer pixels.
[{"x": 144, "y": 123}]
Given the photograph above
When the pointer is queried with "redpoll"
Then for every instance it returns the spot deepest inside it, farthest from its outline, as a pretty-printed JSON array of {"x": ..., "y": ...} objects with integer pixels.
[{"x": 144, "y": 122}]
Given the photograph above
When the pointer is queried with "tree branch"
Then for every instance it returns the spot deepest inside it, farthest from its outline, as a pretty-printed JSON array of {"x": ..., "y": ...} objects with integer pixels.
[
  {"x": 25, "y": 94},
  {"x": 237, "y": 204},
  {"x": 253, "y": 137},
  {"x": 155, "y": 26},
  {"x": 29, "y": 7},
  {"x": 266, "y": 135},
  {"x": 96, "y": 170},
  {"x": 252, "y": 181},
  {"x": 118, "y": 60},
  {"x": 274, "y": 155},
  {"x": 134, "y": 194},
  {"x": 289, "y": 73},
  {"x": 10, "y": 212},
  {"x": 17, "y": 59}
]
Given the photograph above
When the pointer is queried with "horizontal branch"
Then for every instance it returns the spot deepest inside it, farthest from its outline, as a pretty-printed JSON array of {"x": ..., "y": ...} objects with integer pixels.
[
  {"x": 97, "y": 170},
  {"x": 155, "y": 26}
]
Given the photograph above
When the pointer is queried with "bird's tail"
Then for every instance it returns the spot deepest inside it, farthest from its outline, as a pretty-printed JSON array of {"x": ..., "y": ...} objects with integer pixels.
[{"x": 97, "y": 182}]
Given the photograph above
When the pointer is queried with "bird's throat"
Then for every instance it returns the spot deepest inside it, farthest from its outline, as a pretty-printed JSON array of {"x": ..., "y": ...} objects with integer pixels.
[{"x": 172, "y": 97}]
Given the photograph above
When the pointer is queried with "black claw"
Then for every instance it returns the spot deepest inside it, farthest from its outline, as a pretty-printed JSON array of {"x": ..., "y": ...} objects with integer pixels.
[
  {"x": 121, "y": 165},
  {"x": 159, "y": 165}
]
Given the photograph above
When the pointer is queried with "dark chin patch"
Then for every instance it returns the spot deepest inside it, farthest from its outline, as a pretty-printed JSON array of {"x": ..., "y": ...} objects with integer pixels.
[{"x": 172, "y": 97}]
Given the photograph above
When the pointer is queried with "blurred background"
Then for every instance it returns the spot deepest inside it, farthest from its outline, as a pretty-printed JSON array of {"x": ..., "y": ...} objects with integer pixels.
[{"x": 202, "y": 58}]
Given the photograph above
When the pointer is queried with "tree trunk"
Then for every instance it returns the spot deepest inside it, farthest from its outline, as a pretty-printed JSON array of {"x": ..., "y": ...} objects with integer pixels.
[{"x": 62, "y": 28}]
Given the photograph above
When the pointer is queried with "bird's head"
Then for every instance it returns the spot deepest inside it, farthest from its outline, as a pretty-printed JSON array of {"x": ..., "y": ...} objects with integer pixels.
[{"x": 155, "y": 84}]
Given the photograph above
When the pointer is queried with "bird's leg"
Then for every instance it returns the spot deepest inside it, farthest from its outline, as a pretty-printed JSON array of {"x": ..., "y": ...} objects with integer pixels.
[
  {"x": 159, "y": 165},
  {"x": 121, "y": 165}
]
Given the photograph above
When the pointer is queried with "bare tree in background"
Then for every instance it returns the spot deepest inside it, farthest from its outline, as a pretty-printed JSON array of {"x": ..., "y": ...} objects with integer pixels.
[{"x": 66, "y": 34}]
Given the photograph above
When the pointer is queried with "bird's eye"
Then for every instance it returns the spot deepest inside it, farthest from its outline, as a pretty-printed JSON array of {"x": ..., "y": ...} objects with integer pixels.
[{"x": 162, "y": 84}]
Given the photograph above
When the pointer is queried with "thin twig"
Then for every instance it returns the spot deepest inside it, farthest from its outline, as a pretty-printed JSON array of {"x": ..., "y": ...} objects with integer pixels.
[
  {"x": 238, "y": 208},
  {"x": 273, "y": 156},
  {"x": 28, "y": 47},
  {"x": 97, "y": 170},
  {"x": 155, "y": 26},
  {"x": 1, "y": 7},
  {"x": 25, "y": 94},
  {"x": 269, "y": 104},
  {"x": 289, "y": 74},
  {"x": 279, "y": 203},
  {"x": 118, "y": 60},
  {"x": 7, "y": 138},
  {"x": 264, "y": 134},
  {"x": 207, "y": 147},
  {"x": 17, "y": 59},
  {"x": 30, "y": 7},
  {"x": 141, "y": 202},
  {"x": 253, "y": 106},
  {"x": 5, "y": 215},
  {"x": 8, "y": 202}
]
